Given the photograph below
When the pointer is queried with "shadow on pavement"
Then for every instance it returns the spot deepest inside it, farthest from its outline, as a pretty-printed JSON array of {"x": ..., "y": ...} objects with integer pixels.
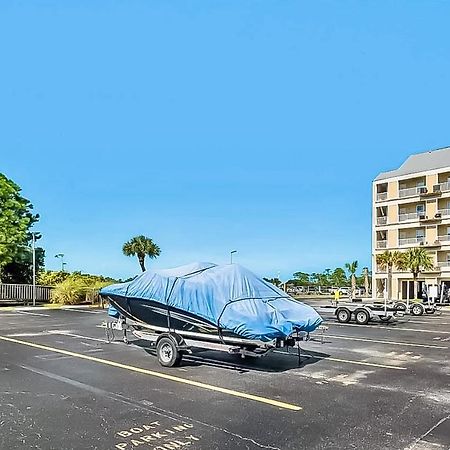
[{"x": 276, "y": 361}]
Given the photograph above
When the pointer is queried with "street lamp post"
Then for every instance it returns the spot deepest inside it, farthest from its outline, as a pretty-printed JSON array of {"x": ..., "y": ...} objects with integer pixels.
[
  {"x": 34, "y": 235},
  {"x": 231, "y": 256},
  {"x": 34, "y": 269},
  {"x": 61, "y": 256}
]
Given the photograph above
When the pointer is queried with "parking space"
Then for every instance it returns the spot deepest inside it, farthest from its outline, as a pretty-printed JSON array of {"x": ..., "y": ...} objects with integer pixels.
[{"x": 375, "y": 386}]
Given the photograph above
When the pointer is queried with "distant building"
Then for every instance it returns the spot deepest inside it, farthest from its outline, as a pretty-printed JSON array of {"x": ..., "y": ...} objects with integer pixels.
[{"x": 411, "y": 207}]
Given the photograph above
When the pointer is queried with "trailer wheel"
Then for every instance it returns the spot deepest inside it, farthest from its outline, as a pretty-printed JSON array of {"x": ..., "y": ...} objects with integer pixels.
[
  {"x": 417, "y": 309},
  {"x": 400, "y": 306},
  {"x": 343, "y": 315},
  {"x": 385, "y": 318},
  {"x": 429, "y": 310},
  {"x": 168, "y": 353},
  {"x": 362, "y": 317}
]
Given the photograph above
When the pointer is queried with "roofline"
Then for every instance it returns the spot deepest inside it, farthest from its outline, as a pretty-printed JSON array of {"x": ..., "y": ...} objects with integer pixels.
[{"x": 385, "y": 175}]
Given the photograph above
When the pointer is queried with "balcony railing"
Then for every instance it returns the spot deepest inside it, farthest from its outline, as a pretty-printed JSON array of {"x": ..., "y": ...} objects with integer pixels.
[
  {"x": 443, "y": 264},
  {"x": 445, "y": 237},
  {"x": 381, "y": 196},
  {"x": 409, "y": 216},
  {"x": 408, "y": 192},
  {"x": 381, "y": 244},
  {"x": 445, "y": 186},
  {"x": 409, "y": 241},
  {"x": 444, "y": 212},
  {"x": 382, "y": 220},
  {"x": 433, "y": 269}
]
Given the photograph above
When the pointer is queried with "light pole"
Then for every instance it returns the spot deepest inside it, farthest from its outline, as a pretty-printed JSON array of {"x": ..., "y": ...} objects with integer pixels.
[
  {"x": 61, "y": 256},
  {"x": 231, "y": 256},
  {"x": 34, "y": 235}
]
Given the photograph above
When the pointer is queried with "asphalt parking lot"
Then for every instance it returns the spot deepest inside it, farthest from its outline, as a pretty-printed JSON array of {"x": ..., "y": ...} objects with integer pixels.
[{"x": 365, "y": 387}]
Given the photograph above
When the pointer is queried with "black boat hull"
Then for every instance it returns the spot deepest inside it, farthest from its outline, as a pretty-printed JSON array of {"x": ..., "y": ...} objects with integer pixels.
[{"x": 157, "y": 317}]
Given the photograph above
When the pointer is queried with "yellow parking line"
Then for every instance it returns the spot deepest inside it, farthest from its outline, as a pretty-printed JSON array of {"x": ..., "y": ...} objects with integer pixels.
[{"x": 165, "y": 376}]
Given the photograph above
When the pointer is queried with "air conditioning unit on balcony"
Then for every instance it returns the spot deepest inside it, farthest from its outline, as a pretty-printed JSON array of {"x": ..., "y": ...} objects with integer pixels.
[
  {"x": 437, "y": 188},
  {"x": 421, "y": 243},
  {"x": 438, "y": 215},
  {"x": 422, "y": 216},
  {"x": 422, "y": 190}
]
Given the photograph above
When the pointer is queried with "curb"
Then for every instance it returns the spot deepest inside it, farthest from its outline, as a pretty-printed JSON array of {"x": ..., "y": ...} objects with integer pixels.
[{"x": 35, "y": 308}]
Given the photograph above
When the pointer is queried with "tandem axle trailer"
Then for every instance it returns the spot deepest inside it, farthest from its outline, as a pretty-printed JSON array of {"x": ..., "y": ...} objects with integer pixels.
[{"x": 363, "y": 313}]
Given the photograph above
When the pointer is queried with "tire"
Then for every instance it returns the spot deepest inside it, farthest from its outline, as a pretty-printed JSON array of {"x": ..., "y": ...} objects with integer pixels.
[
  {"x": 362, "y": 317},
  {"x": 343, "y": 315},
  {"x": 400, "y": 307},
  {"x": 416, "y": 309},
  {"x": 168, "y": 353},
  {"x": 385, "y": 319}
]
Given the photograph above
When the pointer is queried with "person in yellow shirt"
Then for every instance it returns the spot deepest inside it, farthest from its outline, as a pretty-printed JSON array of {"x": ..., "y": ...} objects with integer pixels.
[{"x": 337, "y": 296}]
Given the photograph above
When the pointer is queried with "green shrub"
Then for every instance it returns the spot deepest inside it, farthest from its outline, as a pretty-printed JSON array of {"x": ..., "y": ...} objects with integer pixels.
[
  {"x": 69, "y": 292},
  {"x": 51, "y": 277}
]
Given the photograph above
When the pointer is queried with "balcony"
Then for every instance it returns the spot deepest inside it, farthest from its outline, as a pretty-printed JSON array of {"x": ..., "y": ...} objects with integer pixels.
[
  {"x": 444, "y": 186},
  {"x": 435, "y": 269},
  {"x": 444, "y": 264},
  {"x": 425, "y": 219},
  {"x": 444, "y": 212},
  {"x": 382, "y": 220},
  {"x": 411, "y": 241},
  {"x": 408, "y": 192},
  {"x": 381, "y": 244},
  {"x": 434, "y": 244},
  {"x": 409, "y": 216},
  {"x": 444, "y": 238},
  {"x": 381, "y": 196}
]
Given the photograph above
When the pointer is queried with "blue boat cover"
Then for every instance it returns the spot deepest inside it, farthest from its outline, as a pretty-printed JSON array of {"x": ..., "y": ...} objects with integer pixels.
[{"x": 228, "y": 295}]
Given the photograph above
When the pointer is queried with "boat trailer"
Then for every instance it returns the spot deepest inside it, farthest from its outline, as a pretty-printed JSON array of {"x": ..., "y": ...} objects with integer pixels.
[{"x": 171, "y": 346}]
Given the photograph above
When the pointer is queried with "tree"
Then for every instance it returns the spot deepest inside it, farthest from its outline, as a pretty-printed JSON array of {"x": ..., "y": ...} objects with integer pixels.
[
  {"x": 416, "y": 260},
  {"x": 141, "y": 246},
  {"x": 338, "y": 277},
  {"x": 274, "y": 281},
  {"x": 21, "y": 269},
  {"x": 388, "y": 260},
  {"x": 16, "y": 219},
  {"x": 351, "y": 268},
  {"x": 301, "y": 278},
  {"x": 326, "y": 277}
]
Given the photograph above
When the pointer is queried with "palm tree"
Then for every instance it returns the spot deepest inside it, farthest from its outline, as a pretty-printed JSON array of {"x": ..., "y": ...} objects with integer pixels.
[
  {"x": 388, "y": 260},
  {"x": 416, "y": 260},
  {"x": 141, "y": 246},
  {"x": 351, "y": 268}
]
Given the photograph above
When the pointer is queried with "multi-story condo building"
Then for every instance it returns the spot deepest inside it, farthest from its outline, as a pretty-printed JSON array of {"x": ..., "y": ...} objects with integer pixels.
[{"x": 411, "y": 207}]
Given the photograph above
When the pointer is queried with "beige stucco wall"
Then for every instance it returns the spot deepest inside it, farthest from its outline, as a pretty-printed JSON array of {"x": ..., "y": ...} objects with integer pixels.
[{"x": 392, "y": 189}]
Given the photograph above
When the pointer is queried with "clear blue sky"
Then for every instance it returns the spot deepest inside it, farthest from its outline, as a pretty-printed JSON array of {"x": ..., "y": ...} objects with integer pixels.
[{"x": 216, "y": 125}]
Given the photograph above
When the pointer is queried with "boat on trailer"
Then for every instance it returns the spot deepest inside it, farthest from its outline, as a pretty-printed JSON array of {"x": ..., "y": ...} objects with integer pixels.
[{"x": 204, "y": 305}]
